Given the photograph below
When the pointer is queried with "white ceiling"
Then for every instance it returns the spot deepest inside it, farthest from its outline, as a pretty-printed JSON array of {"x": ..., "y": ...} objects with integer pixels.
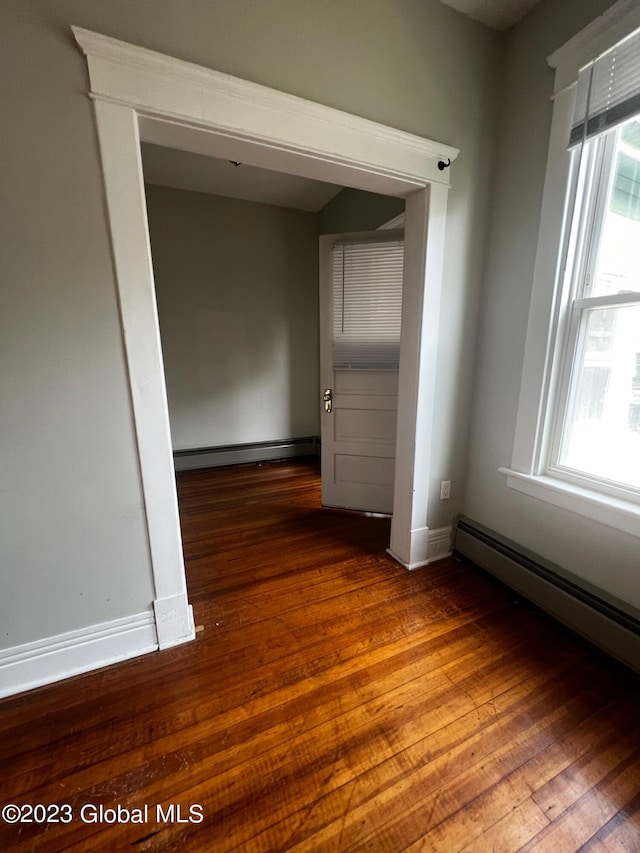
[
  {"x": 498, "y": 14},
  {"x": 187, "y": 171}
]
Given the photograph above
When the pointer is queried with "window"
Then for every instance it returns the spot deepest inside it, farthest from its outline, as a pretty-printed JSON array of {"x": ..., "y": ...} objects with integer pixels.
[
  {"x": 596, "y": 435},
  {"x": 577, "y": 441}
]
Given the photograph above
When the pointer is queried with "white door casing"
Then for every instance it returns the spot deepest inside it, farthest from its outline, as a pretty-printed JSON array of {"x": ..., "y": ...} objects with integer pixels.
[{"x": 140, "y": 94}]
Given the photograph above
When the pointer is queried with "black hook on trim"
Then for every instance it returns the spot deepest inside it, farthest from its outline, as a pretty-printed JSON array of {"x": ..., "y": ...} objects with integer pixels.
[{"x": 442, "y": 165}]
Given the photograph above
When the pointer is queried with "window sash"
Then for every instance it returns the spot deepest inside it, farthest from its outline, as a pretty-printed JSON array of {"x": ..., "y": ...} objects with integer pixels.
[
  {"x": 590, "y": 194},
  {"x": 567, "y": 399}
]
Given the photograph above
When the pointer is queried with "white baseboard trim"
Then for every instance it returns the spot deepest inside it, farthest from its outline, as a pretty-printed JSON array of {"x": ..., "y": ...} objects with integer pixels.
[
  {"x": 54, "y": 658},
  {"x": 427, "y": 546},
  {"x": 174, "y": 620}
]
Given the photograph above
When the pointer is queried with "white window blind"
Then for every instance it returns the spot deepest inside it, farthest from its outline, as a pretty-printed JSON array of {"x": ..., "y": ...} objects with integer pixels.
[
  {"x": 608, "y": 90},
  {"x": 367, "y": 304}
]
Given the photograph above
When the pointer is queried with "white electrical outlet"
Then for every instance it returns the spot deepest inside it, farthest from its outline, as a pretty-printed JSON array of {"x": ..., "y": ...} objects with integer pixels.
[{"x": 445, "y": 490}]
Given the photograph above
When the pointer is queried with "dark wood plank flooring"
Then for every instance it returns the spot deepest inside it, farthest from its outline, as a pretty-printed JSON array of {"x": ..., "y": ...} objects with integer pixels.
[{"x": 333, "y": 702}]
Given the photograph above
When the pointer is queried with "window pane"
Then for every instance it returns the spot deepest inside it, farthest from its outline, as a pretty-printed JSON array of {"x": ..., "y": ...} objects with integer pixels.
[
  {"x": 602, "y": 435},
  {"x": 618, "y": 263}
]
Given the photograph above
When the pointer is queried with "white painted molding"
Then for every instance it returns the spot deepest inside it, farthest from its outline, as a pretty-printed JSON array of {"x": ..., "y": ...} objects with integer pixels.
[
  {"x": 174, "y": 620},
  {"x": 54, "y": 658},
  {"x": 139, "y": 94},
  {"x": 540, "y": 366},
  {"x": 428, "y": 546},
  {"x": 424, "y": 236},
  {"x": 124, "y": 190},
  {"x": 592, "y": 41},
  {"x": 397, "y": 222},
  {"x": 439, "y": 543},
  {"x": 154, "y": 84},
  {"x": 605, "y": 509}
]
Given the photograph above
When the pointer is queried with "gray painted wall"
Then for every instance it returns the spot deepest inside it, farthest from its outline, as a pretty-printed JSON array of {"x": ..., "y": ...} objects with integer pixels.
[
  {"x": 598, "y": 554},
  {"x": 237, "y": 290},
  {"x": 355, "y": 210},
  {"x": 73, "y": 545}
]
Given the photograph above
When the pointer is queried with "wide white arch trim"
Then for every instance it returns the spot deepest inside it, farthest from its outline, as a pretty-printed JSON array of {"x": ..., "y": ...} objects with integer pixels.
[
  {"x": 302, "y": 136},
  {"x": 143, "y": 95}
]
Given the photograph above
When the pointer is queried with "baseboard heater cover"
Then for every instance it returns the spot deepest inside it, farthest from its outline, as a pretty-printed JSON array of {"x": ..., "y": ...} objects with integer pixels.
[
  {"x": 241, "y": 454},
  {"x": 597, "y": 620}
]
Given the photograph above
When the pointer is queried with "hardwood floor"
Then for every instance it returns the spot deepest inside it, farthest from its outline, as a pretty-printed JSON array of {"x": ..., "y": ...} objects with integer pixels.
[{"x": 333, "y": 702}]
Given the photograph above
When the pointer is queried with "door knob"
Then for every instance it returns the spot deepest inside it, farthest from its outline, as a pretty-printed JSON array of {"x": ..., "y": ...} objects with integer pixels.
[{"x": 328, "y": 400}]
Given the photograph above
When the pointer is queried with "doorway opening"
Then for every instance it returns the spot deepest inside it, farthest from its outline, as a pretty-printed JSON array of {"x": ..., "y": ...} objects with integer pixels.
[
  {"x": 140, "y": 95},
  {"x": 237, "y": 255}
]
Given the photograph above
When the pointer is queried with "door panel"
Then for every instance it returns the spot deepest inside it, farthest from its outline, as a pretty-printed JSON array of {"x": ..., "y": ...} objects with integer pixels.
[
  {"x": 364, "y": 470},
  {"x": 359, "y": 431},
  {"x": 364, "y": 482},
  {"x": 378, "y": 383},
  {"x": 364, "y": 425}
]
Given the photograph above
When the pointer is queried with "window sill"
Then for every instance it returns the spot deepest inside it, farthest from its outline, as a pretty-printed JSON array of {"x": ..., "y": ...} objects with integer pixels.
[{"x": 614, "y": 512}]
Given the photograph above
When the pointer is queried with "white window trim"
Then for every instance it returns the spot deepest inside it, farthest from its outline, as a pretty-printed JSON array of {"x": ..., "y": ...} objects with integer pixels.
[
  {"x": 546, "y": 335},
  {"x": 613, "y": 512}
]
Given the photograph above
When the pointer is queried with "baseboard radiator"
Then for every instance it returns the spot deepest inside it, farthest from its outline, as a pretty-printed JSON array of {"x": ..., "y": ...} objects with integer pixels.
[
  {"x": 543, "y": 583},
  {"x": 243, "y": 454}
]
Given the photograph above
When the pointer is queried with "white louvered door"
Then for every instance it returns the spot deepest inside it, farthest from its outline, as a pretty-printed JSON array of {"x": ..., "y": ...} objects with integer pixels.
[{"x": 360, "y": 312}]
